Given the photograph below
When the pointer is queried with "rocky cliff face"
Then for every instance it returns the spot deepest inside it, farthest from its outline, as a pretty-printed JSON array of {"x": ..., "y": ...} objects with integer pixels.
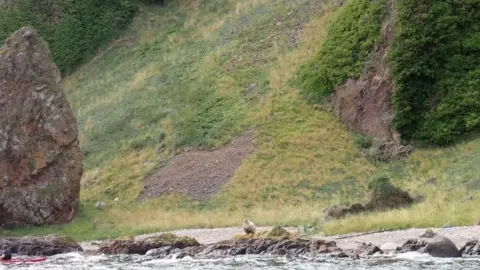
[{"x": 40, "y": 159}]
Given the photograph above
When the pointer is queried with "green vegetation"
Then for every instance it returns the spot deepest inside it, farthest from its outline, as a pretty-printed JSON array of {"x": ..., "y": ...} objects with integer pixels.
[
  {"x": 363, "y": 141},
  {"x": 349, "y": 43},
  {"x": 188, "y": 81},
  {"x": 436, "y": 65},
  {"x": 197, "y": 74},
  {"x": 444, "y": 176},
  {"x": 381, "y": 186},
  {"x": 74, "y": 29},
  {"x": 434, "y": 58}
]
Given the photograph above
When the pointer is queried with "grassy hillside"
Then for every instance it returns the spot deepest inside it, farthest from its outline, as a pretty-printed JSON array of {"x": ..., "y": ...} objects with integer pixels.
[{"x": 197, "y": 73}]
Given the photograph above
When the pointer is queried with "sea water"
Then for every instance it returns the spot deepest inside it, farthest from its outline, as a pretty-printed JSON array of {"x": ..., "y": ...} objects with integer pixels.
[{"x": 74, "y": 261}]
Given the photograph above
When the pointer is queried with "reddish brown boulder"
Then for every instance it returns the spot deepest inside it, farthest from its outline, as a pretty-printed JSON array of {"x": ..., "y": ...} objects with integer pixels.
[{"x": 40, "y": 159}]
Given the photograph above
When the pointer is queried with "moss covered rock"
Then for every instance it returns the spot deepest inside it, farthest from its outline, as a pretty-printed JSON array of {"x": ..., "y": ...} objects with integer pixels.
[
  {"x": 132, "y": 246},
  {"x": 40, "y": 246}
]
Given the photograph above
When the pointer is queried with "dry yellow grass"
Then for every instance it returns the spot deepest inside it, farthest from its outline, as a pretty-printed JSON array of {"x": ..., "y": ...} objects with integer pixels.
[
  {"x": 440, "y": 208},
  {"x": 295, "y": 143},
  {"x": 155, "y": 218},
  {"x": 245, "y": 6},
  {"x": 122, "y": 176}
]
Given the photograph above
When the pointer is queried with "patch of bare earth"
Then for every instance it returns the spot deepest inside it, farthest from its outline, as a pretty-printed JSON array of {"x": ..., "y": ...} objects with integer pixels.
[
  {"x": 199, "y": 174},
  {"x": 364, "y": 104}
]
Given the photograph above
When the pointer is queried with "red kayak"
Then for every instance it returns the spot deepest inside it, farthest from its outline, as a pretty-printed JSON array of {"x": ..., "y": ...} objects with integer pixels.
[{"x": 24, "y": 260}]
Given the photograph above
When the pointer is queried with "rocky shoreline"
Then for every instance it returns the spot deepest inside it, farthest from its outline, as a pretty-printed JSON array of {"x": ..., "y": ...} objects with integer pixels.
[
  {"x": 275, "y": 241},
  {"x": 40, "y": 246},
  {"x": 279, "y": 241}
]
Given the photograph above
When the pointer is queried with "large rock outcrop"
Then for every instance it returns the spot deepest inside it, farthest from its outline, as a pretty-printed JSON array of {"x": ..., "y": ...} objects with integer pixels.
[{"x": 40, "y": 159}]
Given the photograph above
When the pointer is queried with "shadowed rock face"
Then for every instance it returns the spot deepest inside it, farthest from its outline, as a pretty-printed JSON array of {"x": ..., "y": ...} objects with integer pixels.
[{"x": 40, "y": 159}]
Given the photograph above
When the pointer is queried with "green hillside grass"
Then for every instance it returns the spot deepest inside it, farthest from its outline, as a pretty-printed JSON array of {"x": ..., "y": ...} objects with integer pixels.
[{"x": 180, "y": 77}]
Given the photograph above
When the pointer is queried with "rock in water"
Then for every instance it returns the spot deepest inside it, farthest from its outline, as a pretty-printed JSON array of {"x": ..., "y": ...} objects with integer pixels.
[
  {"x": 159, "y": 244},
  {"x": 471, "y": 248},
  {"x": 40, "y": 159},
  {"x": 388, "y": 247},
  {"x": 40, "y": 246},
  {"x": 367, "y": 249},
  {"x": 432, "y": 243}
]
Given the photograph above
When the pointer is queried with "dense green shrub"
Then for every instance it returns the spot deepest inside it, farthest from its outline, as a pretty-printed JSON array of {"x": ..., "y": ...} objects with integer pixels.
[
  {"x": 13, "y": 17},
  {"x": 74, "y": 29},
  {"x": 381, "y": 186},
  {"x": 363, "y": 141},
  {"x": 436, "y": 66},
  {"x": 349, "y": 42}
]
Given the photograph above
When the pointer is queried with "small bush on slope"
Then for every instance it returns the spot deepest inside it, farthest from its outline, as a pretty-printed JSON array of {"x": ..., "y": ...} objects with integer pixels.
[{"x": 349, "y": 42}]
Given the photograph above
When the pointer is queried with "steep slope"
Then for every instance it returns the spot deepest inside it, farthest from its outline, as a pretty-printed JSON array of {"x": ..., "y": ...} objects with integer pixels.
[
  {"x": 196, "y": 77},
  {"x": 196, "y": 74}
]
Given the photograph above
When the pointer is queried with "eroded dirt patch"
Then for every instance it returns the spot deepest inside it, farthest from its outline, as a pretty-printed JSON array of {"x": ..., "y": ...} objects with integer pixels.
[
  {"x": 199, "y": 174},
  {"x": 365, "y": 104}
]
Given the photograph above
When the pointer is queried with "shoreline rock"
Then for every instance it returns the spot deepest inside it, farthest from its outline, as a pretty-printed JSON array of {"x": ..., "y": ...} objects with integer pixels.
[
  {"x": 275, "y": 242},
  {"x": 366, "y": 249},
  {"x": 141, "y": 247},
  {"x": 351, "y": 245},
  {"x": 432, "y": 243},
  {"x": 471, "y": 248},
  {"x": 255, "y": 246},
  {"x": 40, "y": 246}
]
